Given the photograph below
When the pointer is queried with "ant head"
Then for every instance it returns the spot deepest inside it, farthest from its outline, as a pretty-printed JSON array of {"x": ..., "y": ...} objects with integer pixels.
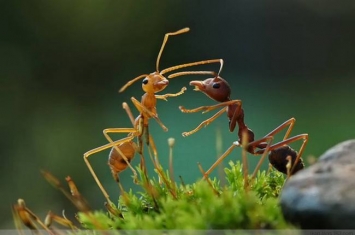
[
  {"x": 154, "y": 83},
  {"x": 216, "y": 88}
]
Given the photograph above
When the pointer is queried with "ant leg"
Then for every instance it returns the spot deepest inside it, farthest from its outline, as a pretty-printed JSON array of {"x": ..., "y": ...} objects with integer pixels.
[
  {"x": 104, "y": 147},
  {"x": 245, "y": 167},
  {"x": 206, "y": 109},
  {"x": 143, "y": 109},
  {"x": 154, "y": 149},
  {"x": 220, "y": 159},
  {"x": 140, "y": 130},
  {"x": 139, "y": 126},
  {"x": 207, "y": 179},
  {"x": 290, "y": 123},
  {"x": 155, "y": 160},
  {"x": 163, "y": 97},
  {"x": 268, "y": 140},
  {"x": 119, "y": 130},
  {"x": 300, "y": 151},
  {"x": 288, "y": 141},
  {"x": 205, "y": 123},
  {"x": 128, "y": 111}
]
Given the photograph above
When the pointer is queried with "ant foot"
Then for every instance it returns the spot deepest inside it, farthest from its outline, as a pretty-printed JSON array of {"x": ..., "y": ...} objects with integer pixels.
[
  {"x": 185, "y": 134},
  {"x": 182, "y": 109}
]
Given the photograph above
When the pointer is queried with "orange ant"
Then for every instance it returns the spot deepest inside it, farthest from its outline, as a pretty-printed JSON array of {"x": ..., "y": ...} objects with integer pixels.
[
  {"x": 123, "y": 150},
  {"x": 219, "y": 90}
]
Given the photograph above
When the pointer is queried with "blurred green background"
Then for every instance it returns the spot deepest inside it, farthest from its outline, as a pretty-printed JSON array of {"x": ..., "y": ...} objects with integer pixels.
[{"x": 62, "y": 63}]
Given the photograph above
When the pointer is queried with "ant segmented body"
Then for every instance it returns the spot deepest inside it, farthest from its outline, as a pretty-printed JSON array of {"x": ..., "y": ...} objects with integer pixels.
[
  {"x": 219, "y": 90},
  {"x": 123, "y": 150}
]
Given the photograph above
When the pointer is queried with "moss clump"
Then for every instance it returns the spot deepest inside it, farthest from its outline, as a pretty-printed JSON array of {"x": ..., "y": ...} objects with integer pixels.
[{"x": 204, "y": 205}]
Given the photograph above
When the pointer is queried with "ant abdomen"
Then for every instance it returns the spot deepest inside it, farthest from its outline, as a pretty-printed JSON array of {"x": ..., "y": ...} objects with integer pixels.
[
  {"x": 116, "y": 162},
  {"x": 278, "y": 159}
]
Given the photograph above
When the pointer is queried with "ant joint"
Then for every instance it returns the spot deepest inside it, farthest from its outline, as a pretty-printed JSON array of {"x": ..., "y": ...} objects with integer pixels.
[{"x": 236, "y": 143}]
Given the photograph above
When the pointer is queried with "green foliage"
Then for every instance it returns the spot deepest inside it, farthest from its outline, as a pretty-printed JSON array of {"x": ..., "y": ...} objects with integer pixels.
[{"x": 203, "y": 205}]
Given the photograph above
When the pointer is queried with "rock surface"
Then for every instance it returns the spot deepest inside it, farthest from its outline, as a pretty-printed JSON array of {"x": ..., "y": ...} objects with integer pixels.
[{"x": 323, "y": 195}]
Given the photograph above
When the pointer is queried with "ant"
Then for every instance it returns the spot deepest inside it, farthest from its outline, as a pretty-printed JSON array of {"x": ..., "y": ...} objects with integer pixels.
[
  {"x": 123, "y": 150},
  {"x": 219, "y": 90}
]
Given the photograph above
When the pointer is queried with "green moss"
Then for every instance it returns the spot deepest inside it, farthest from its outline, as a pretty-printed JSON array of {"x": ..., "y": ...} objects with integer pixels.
[{"x": 204, "y": 205}]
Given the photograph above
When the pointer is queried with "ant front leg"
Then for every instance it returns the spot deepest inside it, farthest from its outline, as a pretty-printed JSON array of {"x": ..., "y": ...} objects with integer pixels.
[
  {"x": 205, "y": 109},
  {"x": 143, "y": 109},
  {"x": 163, "y": 97},
  {"x": 204, "y": 123}
]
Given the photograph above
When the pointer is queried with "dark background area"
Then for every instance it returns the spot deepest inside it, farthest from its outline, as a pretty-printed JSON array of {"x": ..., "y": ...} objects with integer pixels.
[{"x": 62, "y": 63}]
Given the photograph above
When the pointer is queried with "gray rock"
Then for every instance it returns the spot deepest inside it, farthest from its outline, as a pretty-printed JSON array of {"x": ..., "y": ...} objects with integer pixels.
[{"x": 322, "y": 196}]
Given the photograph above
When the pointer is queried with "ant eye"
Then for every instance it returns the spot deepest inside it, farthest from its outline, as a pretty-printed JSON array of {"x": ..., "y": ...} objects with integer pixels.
[
  {"x": 216, "y": 85},
  {"x": 145, "y": 80}
]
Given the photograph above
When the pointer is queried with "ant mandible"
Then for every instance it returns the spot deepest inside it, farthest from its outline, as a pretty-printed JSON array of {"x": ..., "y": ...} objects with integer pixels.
[
  {"x": 123, "y": 150},
  {"x": 219, "y": 90}
]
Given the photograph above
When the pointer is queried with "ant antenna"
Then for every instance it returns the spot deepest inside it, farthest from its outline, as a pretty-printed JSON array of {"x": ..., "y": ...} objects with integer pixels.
[
  {"x": 131, "y": 82},
  {"x": 221, "y": 66},
  {"x": 184, "y": 30},
  {"x": 178, "y": 74}
]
